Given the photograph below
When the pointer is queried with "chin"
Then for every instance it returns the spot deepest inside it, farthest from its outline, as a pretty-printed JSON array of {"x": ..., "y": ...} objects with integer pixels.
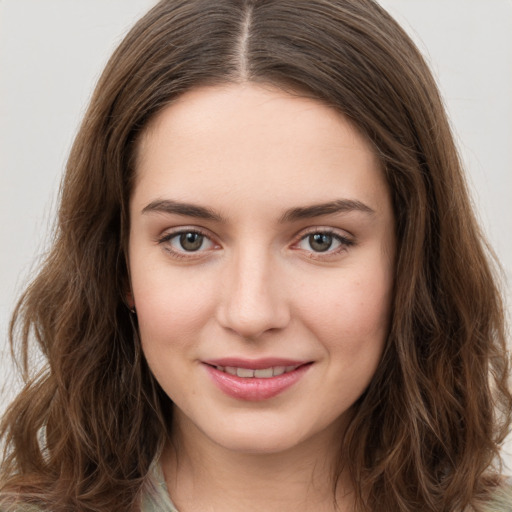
[
  {"x": 262, "y": 442},
  {"x": 251, "y": 434}
]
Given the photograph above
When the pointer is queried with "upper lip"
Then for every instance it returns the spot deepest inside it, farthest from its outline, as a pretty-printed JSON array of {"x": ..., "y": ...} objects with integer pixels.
[{"x": 255, "y": 364}]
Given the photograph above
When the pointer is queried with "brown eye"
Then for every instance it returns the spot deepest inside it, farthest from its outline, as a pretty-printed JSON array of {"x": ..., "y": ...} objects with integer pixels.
[
  {"x": 324, "y": 243},
  {"x": 191, "y": 241},
  {"x": 187, "y": 243},
  {"x": 320, "y": 242}
]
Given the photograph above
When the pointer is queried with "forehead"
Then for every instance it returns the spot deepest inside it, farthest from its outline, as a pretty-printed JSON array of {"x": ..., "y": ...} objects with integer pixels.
[{"x": 237, "y": 142}]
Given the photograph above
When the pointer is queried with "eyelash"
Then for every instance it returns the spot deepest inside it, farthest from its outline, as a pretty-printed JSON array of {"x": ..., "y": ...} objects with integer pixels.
[
  {"x": 344, "y": 242},
  {"x": 167, "y": 237}
]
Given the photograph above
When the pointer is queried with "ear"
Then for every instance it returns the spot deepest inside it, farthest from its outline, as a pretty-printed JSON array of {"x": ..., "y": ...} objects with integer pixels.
[{"x": 129, "y": 300}]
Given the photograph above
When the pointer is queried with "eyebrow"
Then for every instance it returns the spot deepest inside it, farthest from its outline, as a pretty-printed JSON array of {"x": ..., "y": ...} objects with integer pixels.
[
  {"x": 294, "y": 214},
  {"x": 179, "y": 208},
  {"x": 332, "y": 207}
]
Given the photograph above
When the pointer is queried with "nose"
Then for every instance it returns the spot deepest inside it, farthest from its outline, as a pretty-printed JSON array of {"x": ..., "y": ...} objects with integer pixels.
[{"x": 253, "y": 298}]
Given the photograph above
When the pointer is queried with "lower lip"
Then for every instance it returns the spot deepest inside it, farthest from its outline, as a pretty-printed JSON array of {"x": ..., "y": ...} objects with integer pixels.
[{"x": 253, "y": 388}]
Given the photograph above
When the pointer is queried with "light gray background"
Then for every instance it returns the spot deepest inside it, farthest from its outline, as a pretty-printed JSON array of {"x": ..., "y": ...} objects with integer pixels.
[{"x": 52, "y": 52}]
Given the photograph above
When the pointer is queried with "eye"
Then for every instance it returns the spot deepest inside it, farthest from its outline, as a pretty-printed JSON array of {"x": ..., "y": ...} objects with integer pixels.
[
  {"x": 183, "y": 242},
  {"x": 320, "y": 242},
  {"x": 327, "y": 242},
  {"x": 189, "y": 242}
]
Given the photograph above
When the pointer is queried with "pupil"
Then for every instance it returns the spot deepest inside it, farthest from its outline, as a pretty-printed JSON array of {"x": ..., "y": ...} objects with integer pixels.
[
  {"x": 320, "y": 242},
  {"x": 191, "y": 241}
]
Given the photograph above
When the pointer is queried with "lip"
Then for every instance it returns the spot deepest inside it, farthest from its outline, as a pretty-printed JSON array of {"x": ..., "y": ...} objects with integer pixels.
[
  {"x": 254, "y": 388},
  {"x": 254, "y": 364}
]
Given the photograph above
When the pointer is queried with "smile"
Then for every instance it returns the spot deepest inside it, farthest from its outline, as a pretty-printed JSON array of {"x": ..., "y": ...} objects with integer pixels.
[
  {"x": 264, "y": 373},
  {"x": 255, "y": 380}
]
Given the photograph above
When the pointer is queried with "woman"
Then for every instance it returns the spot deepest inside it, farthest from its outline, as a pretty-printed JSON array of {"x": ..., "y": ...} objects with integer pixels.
[{"x": 268, "y": 290}]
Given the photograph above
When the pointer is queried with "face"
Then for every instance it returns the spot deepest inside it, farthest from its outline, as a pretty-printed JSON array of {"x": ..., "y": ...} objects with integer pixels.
[{"x": 261, "y": 256}]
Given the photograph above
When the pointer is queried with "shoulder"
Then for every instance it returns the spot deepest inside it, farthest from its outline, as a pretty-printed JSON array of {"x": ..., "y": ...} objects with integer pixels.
[
  {"x": 155, "y": 497},
  {"x": 502, "y": 498},
  {"x": 19, "y": 508}
]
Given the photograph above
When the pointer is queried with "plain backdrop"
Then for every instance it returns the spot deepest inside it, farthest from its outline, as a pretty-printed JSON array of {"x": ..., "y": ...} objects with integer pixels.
[{"x": 51, "y": 55}]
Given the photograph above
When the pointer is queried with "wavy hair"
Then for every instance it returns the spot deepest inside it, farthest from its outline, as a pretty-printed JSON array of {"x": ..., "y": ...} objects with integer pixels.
[{"x": 425, "y": 435}]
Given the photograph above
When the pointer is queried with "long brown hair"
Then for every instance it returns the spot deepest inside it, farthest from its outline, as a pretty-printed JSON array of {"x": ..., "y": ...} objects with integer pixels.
[{"x": 424, "y": 436}]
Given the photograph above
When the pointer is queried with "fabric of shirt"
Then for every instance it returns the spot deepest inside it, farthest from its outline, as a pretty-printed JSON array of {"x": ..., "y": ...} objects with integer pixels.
[
  {"x": 157, "y": 499},
  {"x": 156, "y": 496}
]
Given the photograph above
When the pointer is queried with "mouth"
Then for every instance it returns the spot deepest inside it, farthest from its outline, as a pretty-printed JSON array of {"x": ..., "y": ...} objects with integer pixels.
[
  {"x": 256, "y": 380},
  {"x": 260, "y": 373}
]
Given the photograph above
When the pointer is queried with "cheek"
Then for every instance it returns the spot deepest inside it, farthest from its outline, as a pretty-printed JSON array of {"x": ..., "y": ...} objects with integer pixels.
[
  {"x": 352, "y": 313},
  {"x": 170, "y": 305},
  {"x": 171, "y": 313}
]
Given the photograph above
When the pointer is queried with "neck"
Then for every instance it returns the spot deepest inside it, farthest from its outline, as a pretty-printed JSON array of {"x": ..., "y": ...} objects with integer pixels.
[{"x": 201, "y": 475}]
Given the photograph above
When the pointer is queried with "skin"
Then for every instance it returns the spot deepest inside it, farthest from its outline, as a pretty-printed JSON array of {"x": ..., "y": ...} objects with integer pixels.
[{"x": 258, "y": 287}]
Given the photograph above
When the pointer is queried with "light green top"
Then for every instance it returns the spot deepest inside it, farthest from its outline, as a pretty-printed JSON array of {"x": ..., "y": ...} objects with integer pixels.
[{"x": 156, "y": 497}]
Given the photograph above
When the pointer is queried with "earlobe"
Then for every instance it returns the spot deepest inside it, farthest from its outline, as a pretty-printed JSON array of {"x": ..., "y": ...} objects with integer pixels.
[{"x": 130, "y": 301}]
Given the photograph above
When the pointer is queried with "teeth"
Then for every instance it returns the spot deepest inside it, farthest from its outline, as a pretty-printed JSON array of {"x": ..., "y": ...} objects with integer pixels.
[
  {"x": 244, "y": 372},
  {"x": 279, "y": 370},
  {"x": 264, "y": 373}
]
